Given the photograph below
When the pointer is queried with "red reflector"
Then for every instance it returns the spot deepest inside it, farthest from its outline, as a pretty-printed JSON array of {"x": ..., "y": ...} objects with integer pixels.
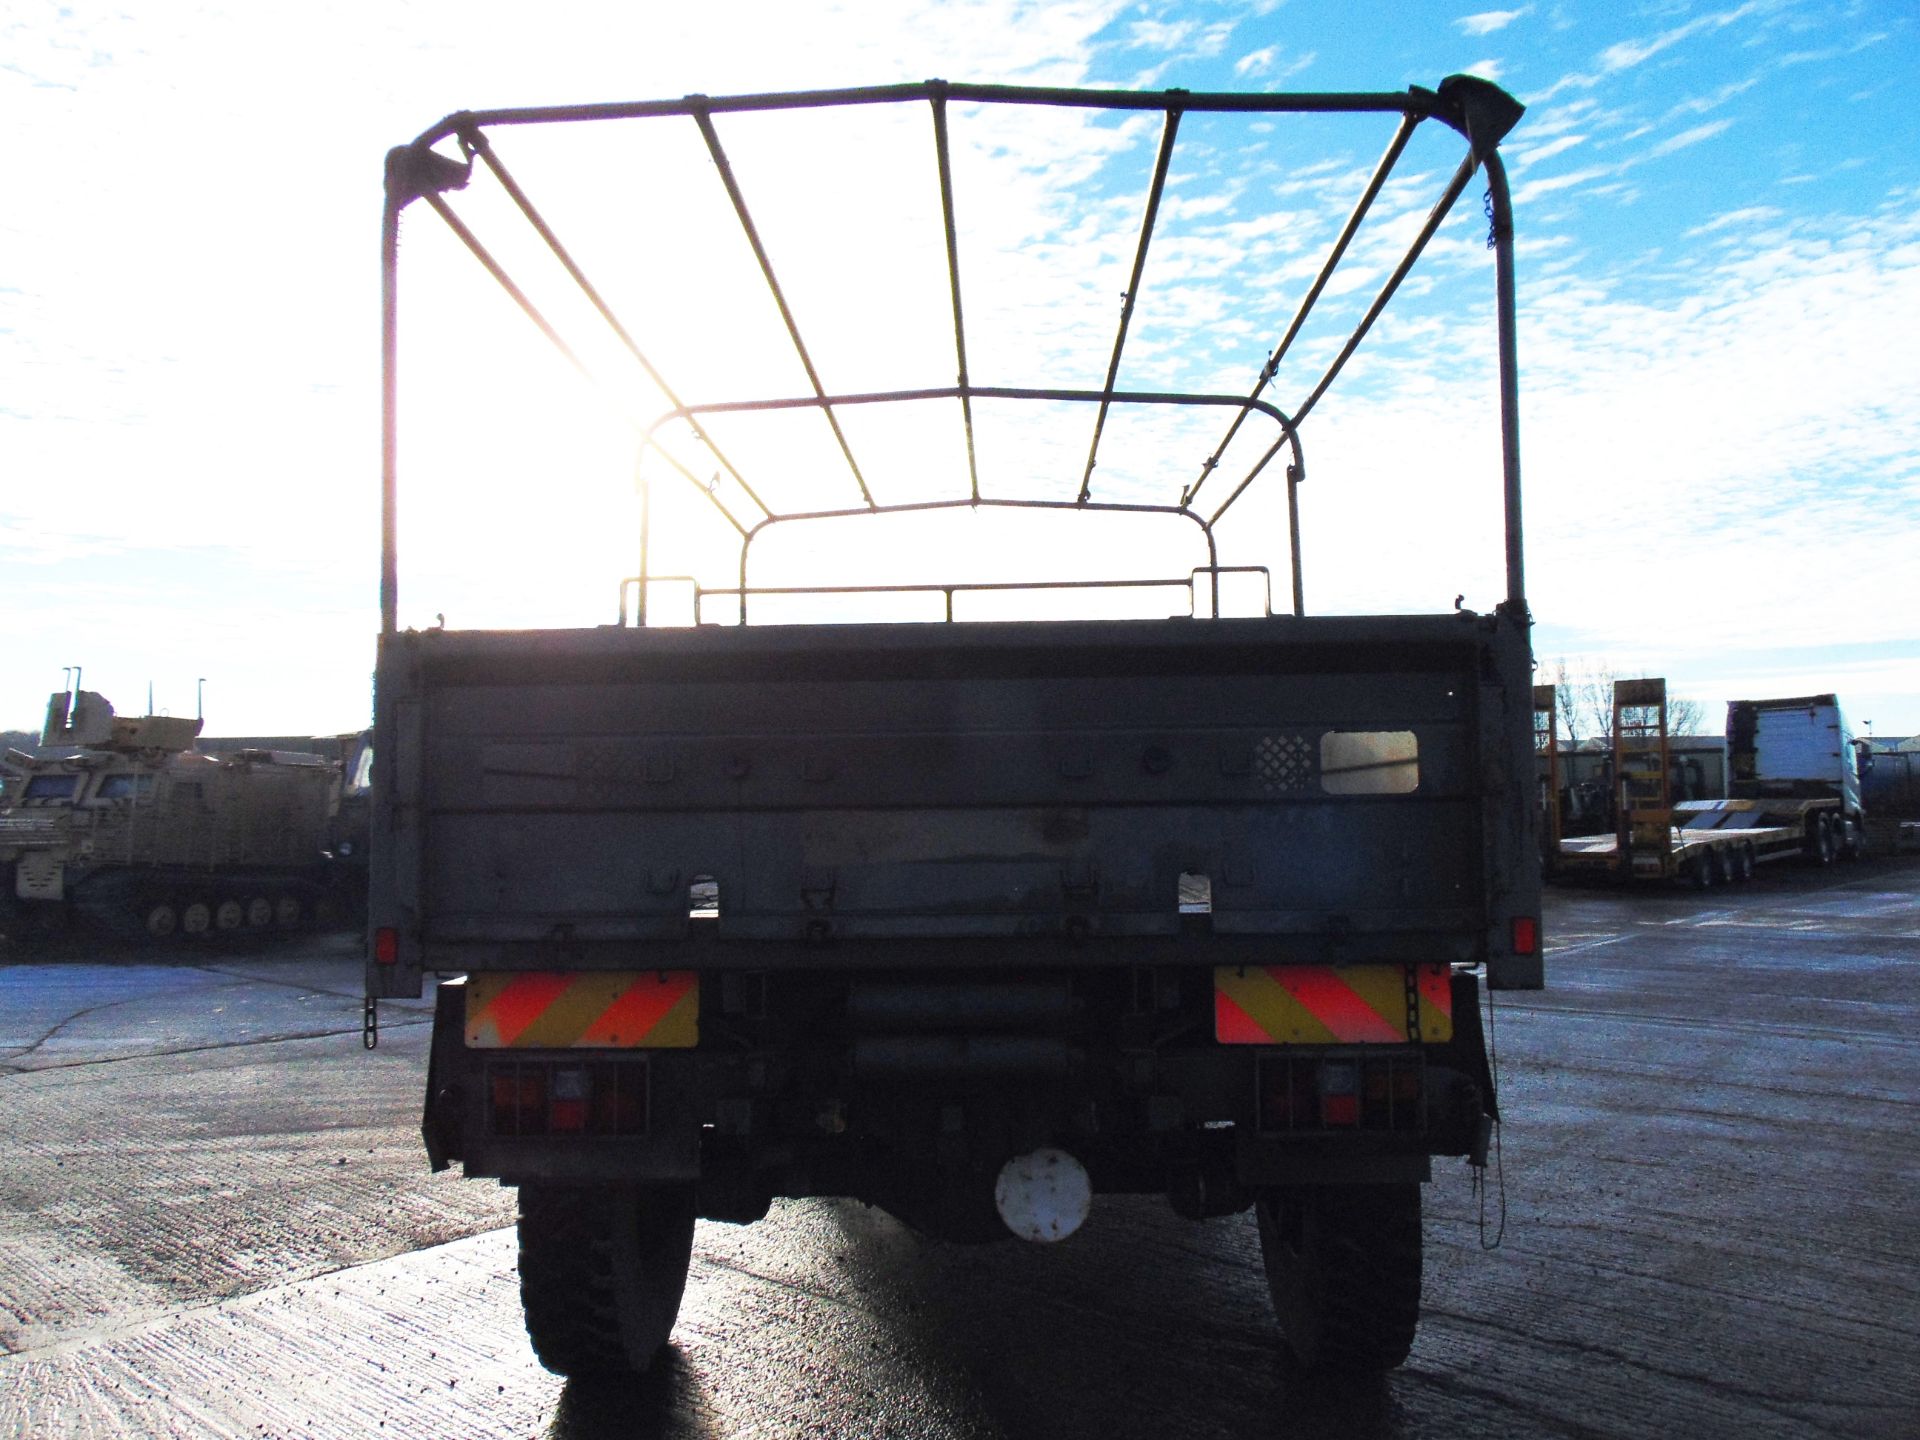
[
  {"x": 1526, "y": 935},
  {"x": 386, "y": 945},
  {"x": 1339, "y": 1109}
]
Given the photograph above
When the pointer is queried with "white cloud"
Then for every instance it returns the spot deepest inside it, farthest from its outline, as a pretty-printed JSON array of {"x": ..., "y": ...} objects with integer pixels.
[
  {"x": 1180, "y": 39},
  {"x": 1161, "y": 34},
  {"x": 1627, "y": 54},
  {"x": 1488, "y": 21},
  {"x": 1691, "y": 137},
  {"x": 1533, "y": 189},
  {"x": 1747, "y": 215},
  {"x": 1525, "y": 156},
  {"x": 1763, "y": 400},
  {"x": 1713, "y": 100},
  {"x": 1257, "y": 62}
]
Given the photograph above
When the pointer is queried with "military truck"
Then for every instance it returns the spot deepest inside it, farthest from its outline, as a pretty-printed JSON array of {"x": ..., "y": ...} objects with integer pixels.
[
  {"x": 120, "y": 823},
  {"x": 970, "y": 918}
]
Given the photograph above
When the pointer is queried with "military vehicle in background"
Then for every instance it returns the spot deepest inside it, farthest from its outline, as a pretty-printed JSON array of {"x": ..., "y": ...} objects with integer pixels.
[{"x": 119, "y": 822}]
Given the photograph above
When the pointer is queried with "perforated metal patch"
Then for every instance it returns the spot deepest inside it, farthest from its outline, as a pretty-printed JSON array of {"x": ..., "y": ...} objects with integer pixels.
[{"x": 1284, "y": 762}]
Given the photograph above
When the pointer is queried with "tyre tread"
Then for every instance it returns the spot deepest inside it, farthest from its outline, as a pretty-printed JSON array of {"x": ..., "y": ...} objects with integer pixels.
[
  {"x": 1350, "y": 1300},
  {"x": 601, "y": 1275}
]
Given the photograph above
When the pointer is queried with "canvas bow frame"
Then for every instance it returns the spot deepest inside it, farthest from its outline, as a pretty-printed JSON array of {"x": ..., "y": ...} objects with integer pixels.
[{"x": 1479, "y": 111}]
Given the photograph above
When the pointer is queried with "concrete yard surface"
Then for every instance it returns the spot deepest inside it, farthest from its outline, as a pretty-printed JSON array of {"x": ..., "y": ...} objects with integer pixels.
[{"x": 216, "y": 1220}]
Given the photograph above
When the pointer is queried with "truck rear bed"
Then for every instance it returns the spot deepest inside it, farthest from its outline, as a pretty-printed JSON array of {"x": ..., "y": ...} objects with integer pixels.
[{"x": 1005, "y": 788}]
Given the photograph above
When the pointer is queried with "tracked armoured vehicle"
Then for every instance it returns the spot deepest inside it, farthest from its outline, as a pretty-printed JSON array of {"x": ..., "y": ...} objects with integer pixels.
[{"x": 119, "y": 823}]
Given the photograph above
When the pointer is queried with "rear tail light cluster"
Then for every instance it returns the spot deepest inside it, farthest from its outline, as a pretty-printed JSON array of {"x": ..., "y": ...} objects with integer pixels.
[
  {"x": 558, "y": 1097},
  {"x": 1322, "y": 1092}
]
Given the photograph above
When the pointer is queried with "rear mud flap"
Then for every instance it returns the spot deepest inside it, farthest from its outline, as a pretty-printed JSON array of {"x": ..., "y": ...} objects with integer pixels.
[
  {"x": 440, "y": 1121},
  {"x": 1466, "y": 1052}
]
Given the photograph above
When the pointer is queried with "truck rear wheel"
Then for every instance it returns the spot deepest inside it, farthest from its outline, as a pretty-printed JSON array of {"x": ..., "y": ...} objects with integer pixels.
[
  {"x": 602, "y": 1270},
  {"x": 1820, "y": 843},
  {"x": 1725, "y": 866},
  {"x": 1853, "y": 839},
  {"x": 1343, "y": 1264}
]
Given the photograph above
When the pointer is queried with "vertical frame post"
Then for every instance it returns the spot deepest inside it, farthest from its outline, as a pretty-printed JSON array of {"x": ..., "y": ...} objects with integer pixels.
[
  {"x": 1500, "y": 204},
  {"x": 389, "y": 415}
]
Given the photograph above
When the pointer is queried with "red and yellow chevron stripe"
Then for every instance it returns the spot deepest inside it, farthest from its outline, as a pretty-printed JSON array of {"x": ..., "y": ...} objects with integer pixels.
[
  {"x": 1330, "y": 1005},
  {"x": 601, "y": 1009}
]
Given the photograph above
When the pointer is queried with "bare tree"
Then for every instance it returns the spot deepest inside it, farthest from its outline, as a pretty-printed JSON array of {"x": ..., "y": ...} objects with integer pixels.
[{"x": 1583, "y": 694}]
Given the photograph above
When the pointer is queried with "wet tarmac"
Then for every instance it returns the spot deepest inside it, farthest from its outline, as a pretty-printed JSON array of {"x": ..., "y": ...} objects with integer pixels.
[{"x": 215, "y": 1220}]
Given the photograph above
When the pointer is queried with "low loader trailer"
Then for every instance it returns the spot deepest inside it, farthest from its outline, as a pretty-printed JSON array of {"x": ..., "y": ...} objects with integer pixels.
[
  {"x": 971, "y": 919},
  {"x": 1795, "y": 782}
]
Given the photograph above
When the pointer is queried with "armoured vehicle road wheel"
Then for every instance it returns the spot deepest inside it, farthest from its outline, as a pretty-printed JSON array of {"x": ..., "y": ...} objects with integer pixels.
[
  {"x": 160, "y": 919},
  {"x": 228, "y": 915},
  {"x": 601, "y": 1273},
  {"x": 288, "y": 912},
  {"x": 196, "y": 917},
  {"x": 1343, "y": 1263},
  {"x": 259, "y": 912}
]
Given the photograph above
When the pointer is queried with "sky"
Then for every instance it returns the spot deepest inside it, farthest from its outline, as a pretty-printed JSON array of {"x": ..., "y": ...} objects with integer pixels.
[{"x": 1718, "y": 224}]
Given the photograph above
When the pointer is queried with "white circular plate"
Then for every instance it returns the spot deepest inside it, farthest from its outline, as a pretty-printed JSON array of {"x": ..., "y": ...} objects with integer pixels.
[{"x": 1043, "y": 1196}]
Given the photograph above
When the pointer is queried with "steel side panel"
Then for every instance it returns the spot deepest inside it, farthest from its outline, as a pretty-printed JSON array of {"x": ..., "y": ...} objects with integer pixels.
[
  {"x": 923, "y": 872},
  {"x": 940, "y": 782}
]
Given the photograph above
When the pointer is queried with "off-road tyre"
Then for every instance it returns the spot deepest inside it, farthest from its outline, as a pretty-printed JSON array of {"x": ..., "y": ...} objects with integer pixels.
[
  {"x": 1343, "y": 1266},
  {"x": 602, "y": 1269}
]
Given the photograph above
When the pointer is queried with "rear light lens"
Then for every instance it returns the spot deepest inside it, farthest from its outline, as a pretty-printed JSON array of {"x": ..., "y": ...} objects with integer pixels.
[
  {"x": 519, "y": 1095},
  {"x": 1526, "y": 935},
  {"x": 1339, "y": 1093},
  {"x": 1289, "y": 1095},
  {"x": 541, "y": 1097},
  {"x": 1315, "y": 1093},
  {"x": 567, "y": 1105},
  {"x": 386, "y": 945}
]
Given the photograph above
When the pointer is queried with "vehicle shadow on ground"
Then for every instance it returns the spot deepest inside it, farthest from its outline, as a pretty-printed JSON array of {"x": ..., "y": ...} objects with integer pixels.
[
  {"x": 1142, "y": 1325},
  {"x": 665, "y": 1402}
]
